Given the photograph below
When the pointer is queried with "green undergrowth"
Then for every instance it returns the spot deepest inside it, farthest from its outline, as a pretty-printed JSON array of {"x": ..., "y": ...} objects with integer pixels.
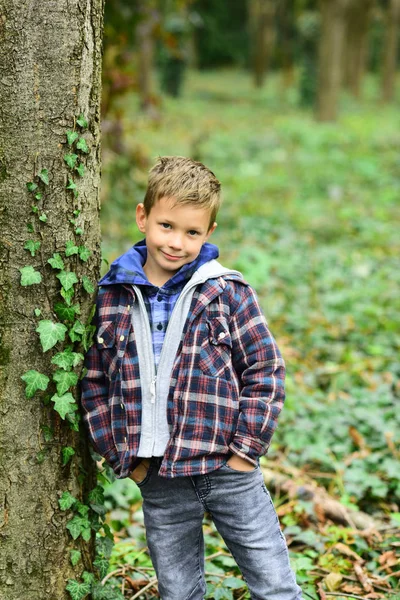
[{"x": 310, "y": 216}]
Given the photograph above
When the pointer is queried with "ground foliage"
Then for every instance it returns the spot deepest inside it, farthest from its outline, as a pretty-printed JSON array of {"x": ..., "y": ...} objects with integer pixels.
[{"x": 310, "y": 217}]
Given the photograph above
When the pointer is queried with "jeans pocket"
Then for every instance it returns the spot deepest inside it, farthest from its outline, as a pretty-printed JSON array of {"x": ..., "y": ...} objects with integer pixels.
[
  {"x": 146, "y": 477},
  {"x": 228, "y": 468}
]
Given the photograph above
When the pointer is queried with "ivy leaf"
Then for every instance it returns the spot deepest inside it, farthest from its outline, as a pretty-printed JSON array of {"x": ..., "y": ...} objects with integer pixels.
[
  {"x": 82, "y": 145},
  {"x": 43, "y": 218},
  {"x": 48, "y": 433},
  {"x": 56, "y": 261},
  {"x": 34, "y": 208},
  {"x": 31, "y": 186},
  {"x": 75, "y": 557},
  {"x": 76, "y": 590},
  {"x": 64, "y": 380},
  {"x": 71, "y": 137},
  {"x": 104, "y": 545},
  {"x": 79, "y": 231},
  {"x": 67, "y": 359},
  {"x": 96, "y": 495},
  {"x": 87, "y": 285},
  {"x": 74, "y": 420},
  {"x": 71, "y": 159},
  {"x": 82, "y": 509},
  {"x": 77, "y": 331},
  {"x": 67, "y": 279},
  {"x": 87, "y": 338},
  {"x": 101, "y": 564},
  {"x": 38, "y": 312},
  {"x": 67, "y": 295},
  {"x": 38, "y": 196},
  {"x": 64, "y": 404},
  {"x": 50, "y": 333},
  {"x": 65, "y": 312},
  {"x": 72, "y": 186},
  {"x": 34, "y": 381},
  {"x": 67, "y": 453},
  {"x": 66, "y": 501},
  {"x": 32, "y": 246},
  {"x": 81, "y": 170},
  {"x": 44, "y": 176},
  {"x": 29, "y": 276},
  {"x": 70, "y": 248},
  {"x": 82, "y": 122},
  {"x": 77, "y": 525},
  {"x": 29, "y": 227},
  {"x": 84, "y": 253}
]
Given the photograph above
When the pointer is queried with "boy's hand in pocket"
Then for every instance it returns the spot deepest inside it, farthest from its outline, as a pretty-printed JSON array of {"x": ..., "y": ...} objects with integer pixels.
[
  {"x": 139, "y": 474},
  {"x": 237, "y": 463}
]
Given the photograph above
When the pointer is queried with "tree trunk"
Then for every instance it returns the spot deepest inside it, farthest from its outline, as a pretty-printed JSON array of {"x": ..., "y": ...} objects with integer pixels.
[
  {"x": 145, "y": 41},
  {"x": 356, "y": 45},
  {"x": 261, "y": 14},
  {"x": 390, "y": 51},
  {"x": 50, "y": 66},
  {"x": 333, "y": 13}
]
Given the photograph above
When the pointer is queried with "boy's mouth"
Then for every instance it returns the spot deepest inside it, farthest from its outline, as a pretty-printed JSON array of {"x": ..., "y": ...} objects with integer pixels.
[{"x": 171, "y": 256}]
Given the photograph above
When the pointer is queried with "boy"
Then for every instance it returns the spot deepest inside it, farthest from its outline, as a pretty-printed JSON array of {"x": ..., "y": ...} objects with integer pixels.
[{"x": 183, "y": 390}]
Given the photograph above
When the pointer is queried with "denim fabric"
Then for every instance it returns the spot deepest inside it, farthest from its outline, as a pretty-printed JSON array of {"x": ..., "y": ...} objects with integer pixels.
[{"x": 243, "y": 513}]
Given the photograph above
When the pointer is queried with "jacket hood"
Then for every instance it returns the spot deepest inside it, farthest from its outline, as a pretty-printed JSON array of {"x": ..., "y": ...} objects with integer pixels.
[{"x": 128, "y": 268}]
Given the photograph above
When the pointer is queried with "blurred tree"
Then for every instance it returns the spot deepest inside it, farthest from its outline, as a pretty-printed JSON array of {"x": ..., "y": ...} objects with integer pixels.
[
  {"x": 330, "y": 57},
  {"x": 262, "y": 36},
  {"x": 308, "y": 24},
  {"x": 355, "y": 54},
  {"x": 50, "y": 67},
  {"x": 148, "y": 18},
  {"x": 390, "y": 50}
]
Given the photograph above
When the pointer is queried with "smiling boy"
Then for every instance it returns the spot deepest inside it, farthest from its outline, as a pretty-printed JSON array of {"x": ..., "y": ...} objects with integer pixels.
[{"x": 183, "y": 390}]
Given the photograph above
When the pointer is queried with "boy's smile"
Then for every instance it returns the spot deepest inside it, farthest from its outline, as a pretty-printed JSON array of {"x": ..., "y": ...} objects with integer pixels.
[{"x": 175, "y": 234}]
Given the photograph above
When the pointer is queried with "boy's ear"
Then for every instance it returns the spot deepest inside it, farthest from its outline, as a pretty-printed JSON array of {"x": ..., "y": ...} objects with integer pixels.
[
  {"x": 212, "y": 228},
  {"x": 141, "y": 218}
]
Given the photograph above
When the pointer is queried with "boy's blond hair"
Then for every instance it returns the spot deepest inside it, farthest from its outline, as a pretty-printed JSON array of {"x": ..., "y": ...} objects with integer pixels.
[{"x": 186, "y": 181}]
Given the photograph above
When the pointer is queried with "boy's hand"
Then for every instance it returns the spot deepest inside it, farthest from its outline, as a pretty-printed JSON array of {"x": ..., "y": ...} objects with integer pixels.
[
  {"x": 237, "y": 463},
  {"x": 139, "y": 474}
]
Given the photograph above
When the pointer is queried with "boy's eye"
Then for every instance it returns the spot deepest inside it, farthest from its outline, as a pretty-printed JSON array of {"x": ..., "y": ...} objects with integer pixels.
[
  {"x": 193, "y": 232},
  {"x": 165, "y": 225}
]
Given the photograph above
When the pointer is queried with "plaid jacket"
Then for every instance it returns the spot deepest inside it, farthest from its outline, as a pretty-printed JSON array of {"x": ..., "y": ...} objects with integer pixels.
[{"x": 227, "y": 383}]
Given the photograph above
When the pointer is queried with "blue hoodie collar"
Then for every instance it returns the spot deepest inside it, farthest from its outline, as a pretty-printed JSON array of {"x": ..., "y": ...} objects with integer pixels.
[{"x": 128, "y": 268}]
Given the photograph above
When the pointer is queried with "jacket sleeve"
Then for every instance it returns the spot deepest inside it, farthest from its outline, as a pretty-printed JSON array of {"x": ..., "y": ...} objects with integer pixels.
[
  {"x": 261, "y": 371},
  {"x": 96, "y": 410}
]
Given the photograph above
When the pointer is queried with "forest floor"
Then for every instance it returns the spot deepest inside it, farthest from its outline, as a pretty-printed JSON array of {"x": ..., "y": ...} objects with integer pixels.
[{"x": 311, "y": 218}]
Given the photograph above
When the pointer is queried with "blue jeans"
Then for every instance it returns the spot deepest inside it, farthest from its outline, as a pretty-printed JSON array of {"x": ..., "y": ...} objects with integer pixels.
[{"x": 243, "y": 513}]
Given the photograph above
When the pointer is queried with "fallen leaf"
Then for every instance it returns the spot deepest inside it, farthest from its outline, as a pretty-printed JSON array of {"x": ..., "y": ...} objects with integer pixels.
[
  {"x": 333, "y": 581},
  {"x": 343, "y": 549}
]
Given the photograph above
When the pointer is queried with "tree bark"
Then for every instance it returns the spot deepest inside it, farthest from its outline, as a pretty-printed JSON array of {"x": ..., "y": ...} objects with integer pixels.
[
  {"x": 390, "y": 51},
  {"x": 261, "y": 13},
  {"x": 50, "y": 66},
  {"x": 356, "y": 44},
  {"x": 330, "y": 57}
]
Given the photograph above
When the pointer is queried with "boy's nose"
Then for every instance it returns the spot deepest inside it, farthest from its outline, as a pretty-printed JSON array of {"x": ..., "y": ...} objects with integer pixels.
[{"x": 175, "y": 241}]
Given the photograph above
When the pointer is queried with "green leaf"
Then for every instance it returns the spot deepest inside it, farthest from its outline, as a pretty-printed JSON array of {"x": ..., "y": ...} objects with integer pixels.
[
  {"x": 72, "y": 186},
  {"x": 104, "y": 545},
  {"x": 32, "y": 246},
  {"x": 101, "y": 564},
  {"x": 84, "y": 253},
  {"x": 76, "y": 331},
  {"x": 82, "y": 122},
  {"x": 87, "y": 338},
  {"x": 44, "y": 176},
  {"x": 67, "y": 453},
  {"x": 38, "y": 312},
  {"x": 96, "y": 495},
  {"x": 81, "y": 170},
  {"x": 67, "y": 359},
  {"x": 43, "y": 218},
  {"x": 87, "y": 285},
  {"x": 50, "y": 333},
  {"x": 75, "y": 557},
  {"x": 82, "y": 145},
  {"x": 234, "y": 583},
  {"x": 31, "y": 186},
  {"x": 74, "y": 420},
  {"x": 71, "y": 248},
  {"x": 56, "y": 261},
  {"x": 79, "y": 231},
  {"x": 76, "y": 590},
  {"x": 88, "y": 577},
  {"x": 66, "y": 501},
  {"x": 41, "y": 455},
  {"x": 34, "y": 381},
  {"x": 65, "y": 312},
  {"x": 38, "y": 196},
  {"x": 67, "y": 279},
  {"x": 71, "y": 137},
  {"x": 82, "y": 509},
  {"x": 29, "y": 276},
  {"x": 64, "y": 380},
  {"x": 48, "y": 433},
  {"x": 67, "y": 295},
  {"x": 64, "y": 404},
  {"x": 71, "y": 159},
  {"x": 34, "y": 208}
]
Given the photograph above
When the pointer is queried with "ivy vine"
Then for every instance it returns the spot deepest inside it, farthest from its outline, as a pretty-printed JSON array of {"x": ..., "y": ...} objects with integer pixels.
[{"x": 65, "y": 333}]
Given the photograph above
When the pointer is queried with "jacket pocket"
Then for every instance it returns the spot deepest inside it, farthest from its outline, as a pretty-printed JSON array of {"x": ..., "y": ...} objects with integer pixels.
[
  {"x": 215, "y": 357},
  {"x": 105, "y": 335}
]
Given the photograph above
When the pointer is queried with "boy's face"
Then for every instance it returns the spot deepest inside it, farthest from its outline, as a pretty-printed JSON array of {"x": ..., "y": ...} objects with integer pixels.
[{"x": 175, "y": 234}]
